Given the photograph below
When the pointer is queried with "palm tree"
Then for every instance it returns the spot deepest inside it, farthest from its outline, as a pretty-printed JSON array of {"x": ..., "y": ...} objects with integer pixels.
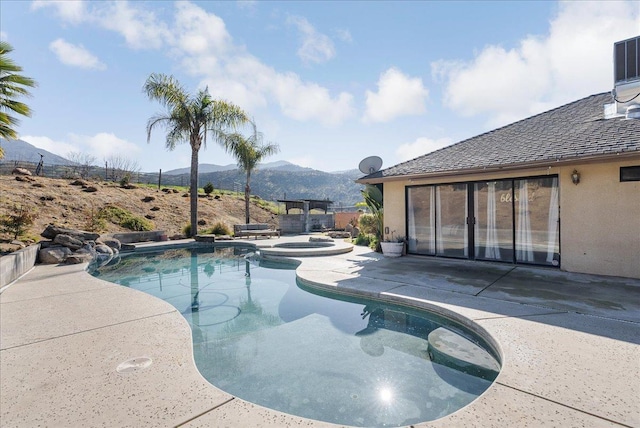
[
  {"x": 12, "y": 85},
  {"x": 249, "y": 151},
  {"x": 190, "y": 118}
]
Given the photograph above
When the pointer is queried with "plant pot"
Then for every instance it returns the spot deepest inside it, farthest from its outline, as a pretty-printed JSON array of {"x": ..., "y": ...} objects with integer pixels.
[{"x": 392, "y": 249}]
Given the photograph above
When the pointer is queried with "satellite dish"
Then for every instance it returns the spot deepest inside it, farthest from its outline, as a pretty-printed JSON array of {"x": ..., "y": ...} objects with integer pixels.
[{"x": 370, "y": 165}]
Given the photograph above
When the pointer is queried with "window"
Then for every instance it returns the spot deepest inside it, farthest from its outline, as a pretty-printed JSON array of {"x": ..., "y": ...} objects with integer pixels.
[
  {"x": 630, "y": 173},
  {"x": 626, "y": 60}
]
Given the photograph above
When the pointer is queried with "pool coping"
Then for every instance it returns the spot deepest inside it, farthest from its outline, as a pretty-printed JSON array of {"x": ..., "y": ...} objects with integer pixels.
[{"x": 538, "y": 385}]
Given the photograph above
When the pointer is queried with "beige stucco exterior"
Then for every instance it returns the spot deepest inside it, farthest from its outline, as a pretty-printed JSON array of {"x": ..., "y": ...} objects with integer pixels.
[{"x": 599, "y": 217}]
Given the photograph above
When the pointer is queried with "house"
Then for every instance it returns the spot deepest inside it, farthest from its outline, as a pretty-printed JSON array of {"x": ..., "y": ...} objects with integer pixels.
[{"x": 559, "y": 189}]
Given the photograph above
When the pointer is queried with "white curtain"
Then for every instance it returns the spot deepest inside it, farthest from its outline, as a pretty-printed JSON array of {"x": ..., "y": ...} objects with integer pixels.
[
  {"x": 432, "y": 220},
  {"x": 439, "y": 240},
  {"x": 476, "y": 215},
  {"x": 465, "y": 228},
  {"x": 552, "y": 227},
  {"x": 492, "y": 245},
  {"x": 413, "y": 239},
  {"x": 524, "y": 240}
]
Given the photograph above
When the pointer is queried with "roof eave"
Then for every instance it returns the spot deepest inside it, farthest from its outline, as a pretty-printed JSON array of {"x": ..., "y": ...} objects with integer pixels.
[{"x": 504, "y": 167}]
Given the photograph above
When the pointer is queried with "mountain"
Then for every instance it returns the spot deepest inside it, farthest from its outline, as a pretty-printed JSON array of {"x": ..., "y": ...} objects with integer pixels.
[
  {"x": 21, "y": 151},
  {"x": 277, "y": 183},
  {"x": 204, "y": 168}
]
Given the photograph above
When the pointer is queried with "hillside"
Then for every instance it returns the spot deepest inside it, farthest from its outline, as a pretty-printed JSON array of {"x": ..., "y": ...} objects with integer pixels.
[{"x": 57, "y": 201}]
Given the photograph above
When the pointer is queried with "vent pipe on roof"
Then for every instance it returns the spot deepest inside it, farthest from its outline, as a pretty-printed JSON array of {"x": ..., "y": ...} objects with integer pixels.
[{"x": 633, "y": 112}]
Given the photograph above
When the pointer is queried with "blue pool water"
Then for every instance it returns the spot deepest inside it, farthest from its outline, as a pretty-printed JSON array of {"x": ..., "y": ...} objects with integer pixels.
[{"x": 262, "y": 337}]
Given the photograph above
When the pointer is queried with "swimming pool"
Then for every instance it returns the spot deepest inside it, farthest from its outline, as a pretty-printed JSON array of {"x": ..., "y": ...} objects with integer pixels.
[{"x": 264, "y": 338}]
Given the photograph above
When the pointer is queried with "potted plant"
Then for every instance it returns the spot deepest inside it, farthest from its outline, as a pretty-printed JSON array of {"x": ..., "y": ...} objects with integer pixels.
[{"x": 394, "y": 246}]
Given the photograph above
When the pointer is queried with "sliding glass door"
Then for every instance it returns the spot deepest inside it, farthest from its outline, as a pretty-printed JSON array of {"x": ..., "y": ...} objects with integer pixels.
[
  {"x": 451, "y": 220},
  {"x": 421, "y": 220},
  {"x": 493, "y": 211},
  {"x": 537, "y": 220},
  {"x": 512, "y": 220}
]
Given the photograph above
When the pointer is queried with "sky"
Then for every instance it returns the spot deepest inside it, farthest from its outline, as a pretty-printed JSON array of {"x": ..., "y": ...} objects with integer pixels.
[{"x": 331, "y": 82}]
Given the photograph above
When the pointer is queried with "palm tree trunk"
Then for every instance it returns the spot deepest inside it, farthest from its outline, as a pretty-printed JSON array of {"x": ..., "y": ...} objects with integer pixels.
[
  {"x": 247, "y": 195},
  {"x": 194, "y": 188}
]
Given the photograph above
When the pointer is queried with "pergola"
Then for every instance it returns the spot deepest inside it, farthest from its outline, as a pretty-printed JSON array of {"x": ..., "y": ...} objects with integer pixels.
[{"x": 306, "y": 204}]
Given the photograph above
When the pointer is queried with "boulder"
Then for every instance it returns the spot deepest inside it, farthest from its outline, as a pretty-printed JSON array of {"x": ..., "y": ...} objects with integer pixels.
[
  {"x": 90, "y": 189},
  {"x": 76, "y": 258},
  {"x": 68, "y": 241},
  {"x": 79, "y": 183},
  {"x": 113, "y": 243},
  {"x": 51, "y": 231},
  {"x": 155, "y": 209},
  {"x": 53, "y": 255},
  {"x": 148, "y": 198},
  {"x": 47, "y": 198},
  {"x": 24, "y": 178},
  {"x": 21, "y": 171},
  {"x": 38, "y": 185},
  {"x": 103, "y": 249}
]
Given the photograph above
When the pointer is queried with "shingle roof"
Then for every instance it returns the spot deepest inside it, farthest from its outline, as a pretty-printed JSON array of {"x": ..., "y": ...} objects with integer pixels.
[{"x": 573, "y": 131}]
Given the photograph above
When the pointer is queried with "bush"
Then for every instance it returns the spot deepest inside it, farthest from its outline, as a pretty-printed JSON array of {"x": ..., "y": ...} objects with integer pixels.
[
  {"x": 18, "y": 221},
  {"x": 366, "y": 240},
  {"x": 186, "y": 230},
  {"x": 124, "y": 218},
  {"x": 124, "y": 181},
  {"x": 208, "y": 188},
  {"x": 368, "y": 224},
  {"x": 220, "y": 229}
]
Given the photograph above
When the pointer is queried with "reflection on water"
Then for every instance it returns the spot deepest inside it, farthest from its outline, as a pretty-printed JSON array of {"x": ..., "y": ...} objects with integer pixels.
[{"x": 260, "y": 336}]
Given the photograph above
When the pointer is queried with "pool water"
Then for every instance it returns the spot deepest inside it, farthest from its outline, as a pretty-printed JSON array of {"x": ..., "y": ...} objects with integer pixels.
[{"x": 262, "y": 337}]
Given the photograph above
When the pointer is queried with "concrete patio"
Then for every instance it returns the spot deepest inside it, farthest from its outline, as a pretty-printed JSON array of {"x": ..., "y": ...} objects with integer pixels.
[{"x": 570, "y": 345}]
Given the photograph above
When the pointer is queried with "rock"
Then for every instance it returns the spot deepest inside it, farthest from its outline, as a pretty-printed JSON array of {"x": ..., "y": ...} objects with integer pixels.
[
  {"x": 148, "y": 198},
  {"x": 129, "y": 186},
  {"x": 37, "y": 185},
  {"x": 90, "y": 189},
  {"x": 166, "y": 190},
  {"x": 150, "y": 216},
  {"x": 216, "y": 197},
  {"x": 320, "y": 239},
  {"x": 186, "y": 195},
  {"x": 103, "y": 249},
  {"x": 113, "y": 243},
  {"x": 154, "y": 209},
  {"x": 18, "y": 243},
  {"x": 205, "y": 238},
  {"x": 53, "y": 255},
  {"x": 47, "y": 198},
  {"x": 127, "y": 247},
  {"x": 177, "y": 236},
  {"x": 79, "y": 183},
  {"x": 51, "y": 231},
  {"x": 348, "y": 228},
  {"x": 202, "y": 222},
  {"x": 68, "y": 241},
  {"x": 339, "y": 235},
  {"x": 75, "y": 259},
  {"x": 24, "y": 178},
  {"x": 355, "y": 231},
  {"x": 21, "y": 171}
]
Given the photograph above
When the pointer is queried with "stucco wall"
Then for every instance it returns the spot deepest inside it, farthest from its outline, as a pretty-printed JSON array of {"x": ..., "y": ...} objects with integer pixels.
[
  {"x": 600, "y": 221},
  {"x": 599, "y": 217}
]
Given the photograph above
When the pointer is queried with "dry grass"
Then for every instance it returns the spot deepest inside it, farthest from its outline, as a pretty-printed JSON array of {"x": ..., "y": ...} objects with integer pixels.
[{"x": 56, "y": 201}]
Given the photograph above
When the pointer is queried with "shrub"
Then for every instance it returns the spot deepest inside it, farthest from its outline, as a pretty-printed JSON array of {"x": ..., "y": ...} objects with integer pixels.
[
  {"x": 208, "y": 188},
  {"x": 368, "y": 224},
  {"x": 125, "y": 219},
  {"x": 18, "y": 221},
  {"x": 124, "y": 181},
  {"x": 95, "y": 221},
  {"x": 220, "y": 229},
  {"x": 186, "y": 230},
  {"x": 366, "y": 239}
]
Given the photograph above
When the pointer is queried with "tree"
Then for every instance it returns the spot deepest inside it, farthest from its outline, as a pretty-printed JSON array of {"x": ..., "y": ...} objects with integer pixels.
[
  {"x": 190, "y": 118},
  {"x": 374, "y": 200},
  {"x": 12, "y": 85},
  {"x": 81, "y": 163},
  {"x": 249, "y": 151}
]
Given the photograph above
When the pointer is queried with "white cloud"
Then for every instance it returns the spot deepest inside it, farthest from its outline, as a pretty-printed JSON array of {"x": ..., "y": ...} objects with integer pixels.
[
  {"x": 72, "y": 11},
  {"x": 201, "y": 43},
  {"x": 420, "y": 147},
  {"x": 316, "y": 47},
  {"x": 101, "y": 145},
  {"x": 60, "y": 148},
  {"x": 572, "y": 61},
  {"x": 398, "y": 95},
  {"x": 75, "y": 56},
  {"x": 140, "y": 28},
  {"x": 104, "y": 145},
  {"x": 344, "y": 35}
]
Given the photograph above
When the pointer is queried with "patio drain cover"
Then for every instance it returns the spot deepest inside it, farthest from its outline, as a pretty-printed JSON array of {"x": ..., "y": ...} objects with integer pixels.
[{"x": 134, "y": 365}]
